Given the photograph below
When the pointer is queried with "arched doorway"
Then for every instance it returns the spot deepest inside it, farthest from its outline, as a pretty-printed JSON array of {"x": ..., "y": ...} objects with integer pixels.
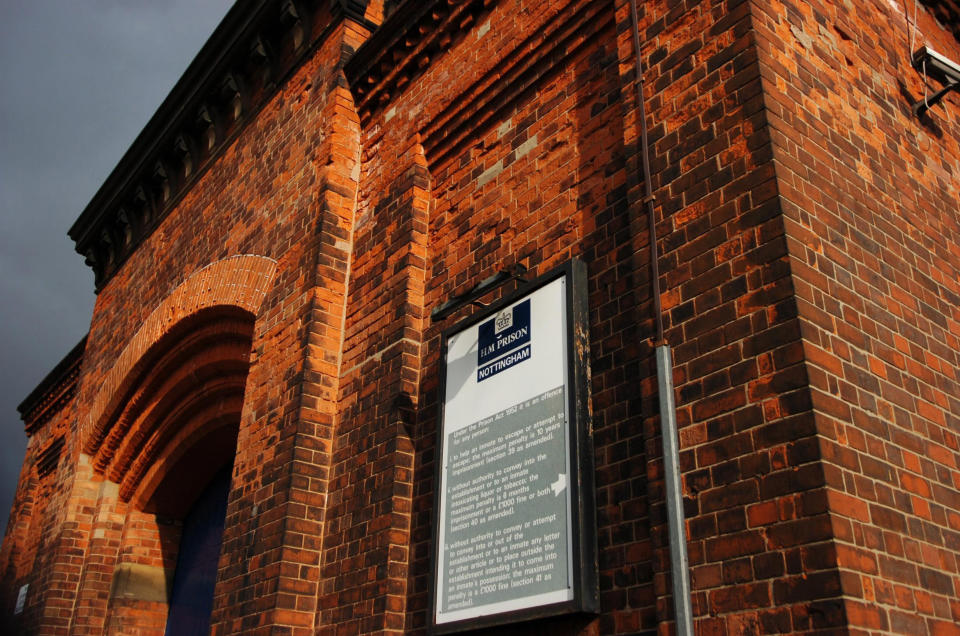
[
  {"x": 170, "y": 446},
  {"x": 191, "y": 595}
]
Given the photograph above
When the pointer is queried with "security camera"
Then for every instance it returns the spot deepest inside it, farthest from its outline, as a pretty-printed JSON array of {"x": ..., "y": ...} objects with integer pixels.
[
  {"x": 936, "y": 65},
  {"x": 943, "y": 69}
]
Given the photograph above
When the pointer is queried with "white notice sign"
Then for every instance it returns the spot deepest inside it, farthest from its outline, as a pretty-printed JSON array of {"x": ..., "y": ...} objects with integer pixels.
[{"x": 505, "y": 519}]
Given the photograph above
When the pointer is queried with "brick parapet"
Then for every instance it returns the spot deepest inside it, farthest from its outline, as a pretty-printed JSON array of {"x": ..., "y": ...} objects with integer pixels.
[
  {"x": 54, "y": 392},
  {"x": 34, "y": 528},
  {"x": 252, "y": 54}
]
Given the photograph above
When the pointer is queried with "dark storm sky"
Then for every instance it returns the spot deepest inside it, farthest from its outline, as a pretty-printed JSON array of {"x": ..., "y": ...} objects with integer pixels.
[{"x": 78, "y": 81}]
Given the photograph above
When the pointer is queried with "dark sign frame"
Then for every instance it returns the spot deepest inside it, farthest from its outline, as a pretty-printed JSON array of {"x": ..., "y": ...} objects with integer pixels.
[{"x": 582, "y": 504}]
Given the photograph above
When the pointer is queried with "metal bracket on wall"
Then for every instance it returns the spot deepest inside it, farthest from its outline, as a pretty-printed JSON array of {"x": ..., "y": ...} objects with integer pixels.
[
  {"x": 946, "y": 71},
  {"x": 920, "y": 107},
  {"x": 473, "y": 295}
]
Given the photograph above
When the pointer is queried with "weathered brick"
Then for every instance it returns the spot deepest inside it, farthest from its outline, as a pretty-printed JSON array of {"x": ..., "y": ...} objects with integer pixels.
[{"x": 807, "y": 240}]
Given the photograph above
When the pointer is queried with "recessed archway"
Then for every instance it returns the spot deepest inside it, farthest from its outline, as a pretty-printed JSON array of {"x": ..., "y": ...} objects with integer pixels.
[
  {"x": 239, "y": 282},
  {"x": 170, "y": 444}
]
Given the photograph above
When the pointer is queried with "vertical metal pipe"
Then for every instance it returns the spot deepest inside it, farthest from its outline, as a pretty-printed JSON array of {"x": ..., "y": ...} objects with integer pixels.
[
  {"x": 648, "y": 197},
  {"x": 679, "y": 564}
]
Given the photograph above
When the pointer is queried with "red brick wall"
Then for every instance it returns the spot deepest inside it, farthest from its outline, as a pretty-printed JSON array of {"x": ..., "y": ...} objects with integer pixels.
[
  {"x": 748, "y": 449},
  {"x": 490, "y": 158},
  {"x": 535, "y": 162},
  {"x": 870, "y": 205},
  {"x": 147, "y": 556},
  {"x": 807, "y": 231}
]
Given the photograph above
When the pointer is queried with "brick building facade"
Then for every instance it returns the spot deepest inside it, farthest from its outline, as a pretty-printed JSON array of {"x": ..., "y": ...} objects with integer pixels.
[{"x": 268, "y": 252}]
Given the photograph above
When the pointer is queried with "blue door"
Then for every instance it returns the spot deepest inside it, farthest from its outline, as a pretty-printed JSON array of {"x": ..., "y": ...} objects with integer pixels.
[{"x": 191, "y": 599}]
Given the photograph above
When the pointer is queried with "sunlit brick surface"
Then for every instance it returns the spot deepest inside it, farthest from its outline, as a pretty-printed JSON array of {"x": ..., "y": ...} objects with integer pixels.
[{"x": 809, "y": 241}]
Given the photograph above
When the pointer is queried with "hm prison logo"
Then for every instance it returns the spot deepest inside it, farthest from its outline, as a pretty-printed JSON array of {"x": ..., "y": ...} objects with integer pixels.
[
  {"x": 504, "y": 320},
  {"x": 504, "y": 341}
]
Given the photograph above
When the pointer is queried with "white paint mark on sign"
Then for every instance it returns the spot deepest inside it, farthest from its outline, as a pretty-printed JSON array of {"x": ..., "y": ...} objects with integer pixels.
[{"x": 21, "y": 599}]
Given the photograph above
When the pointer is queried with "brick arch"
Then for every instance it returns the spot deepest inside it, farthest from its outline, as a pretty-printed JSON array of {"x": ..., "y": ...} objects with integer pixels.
[
  {"x": 212, "y": 431},
  {"x": 238, "y": 281},
  {"x": 188, "y": 374}
]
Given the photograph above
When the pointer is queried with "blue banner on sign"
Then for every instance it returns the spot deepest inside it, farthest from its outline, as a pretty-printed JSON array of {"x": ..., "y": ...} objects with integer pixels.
[
  {"x": 504, "y": 341},
  {"x": 503, "y": 363},
  {"x": 507, "y": 331}
]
